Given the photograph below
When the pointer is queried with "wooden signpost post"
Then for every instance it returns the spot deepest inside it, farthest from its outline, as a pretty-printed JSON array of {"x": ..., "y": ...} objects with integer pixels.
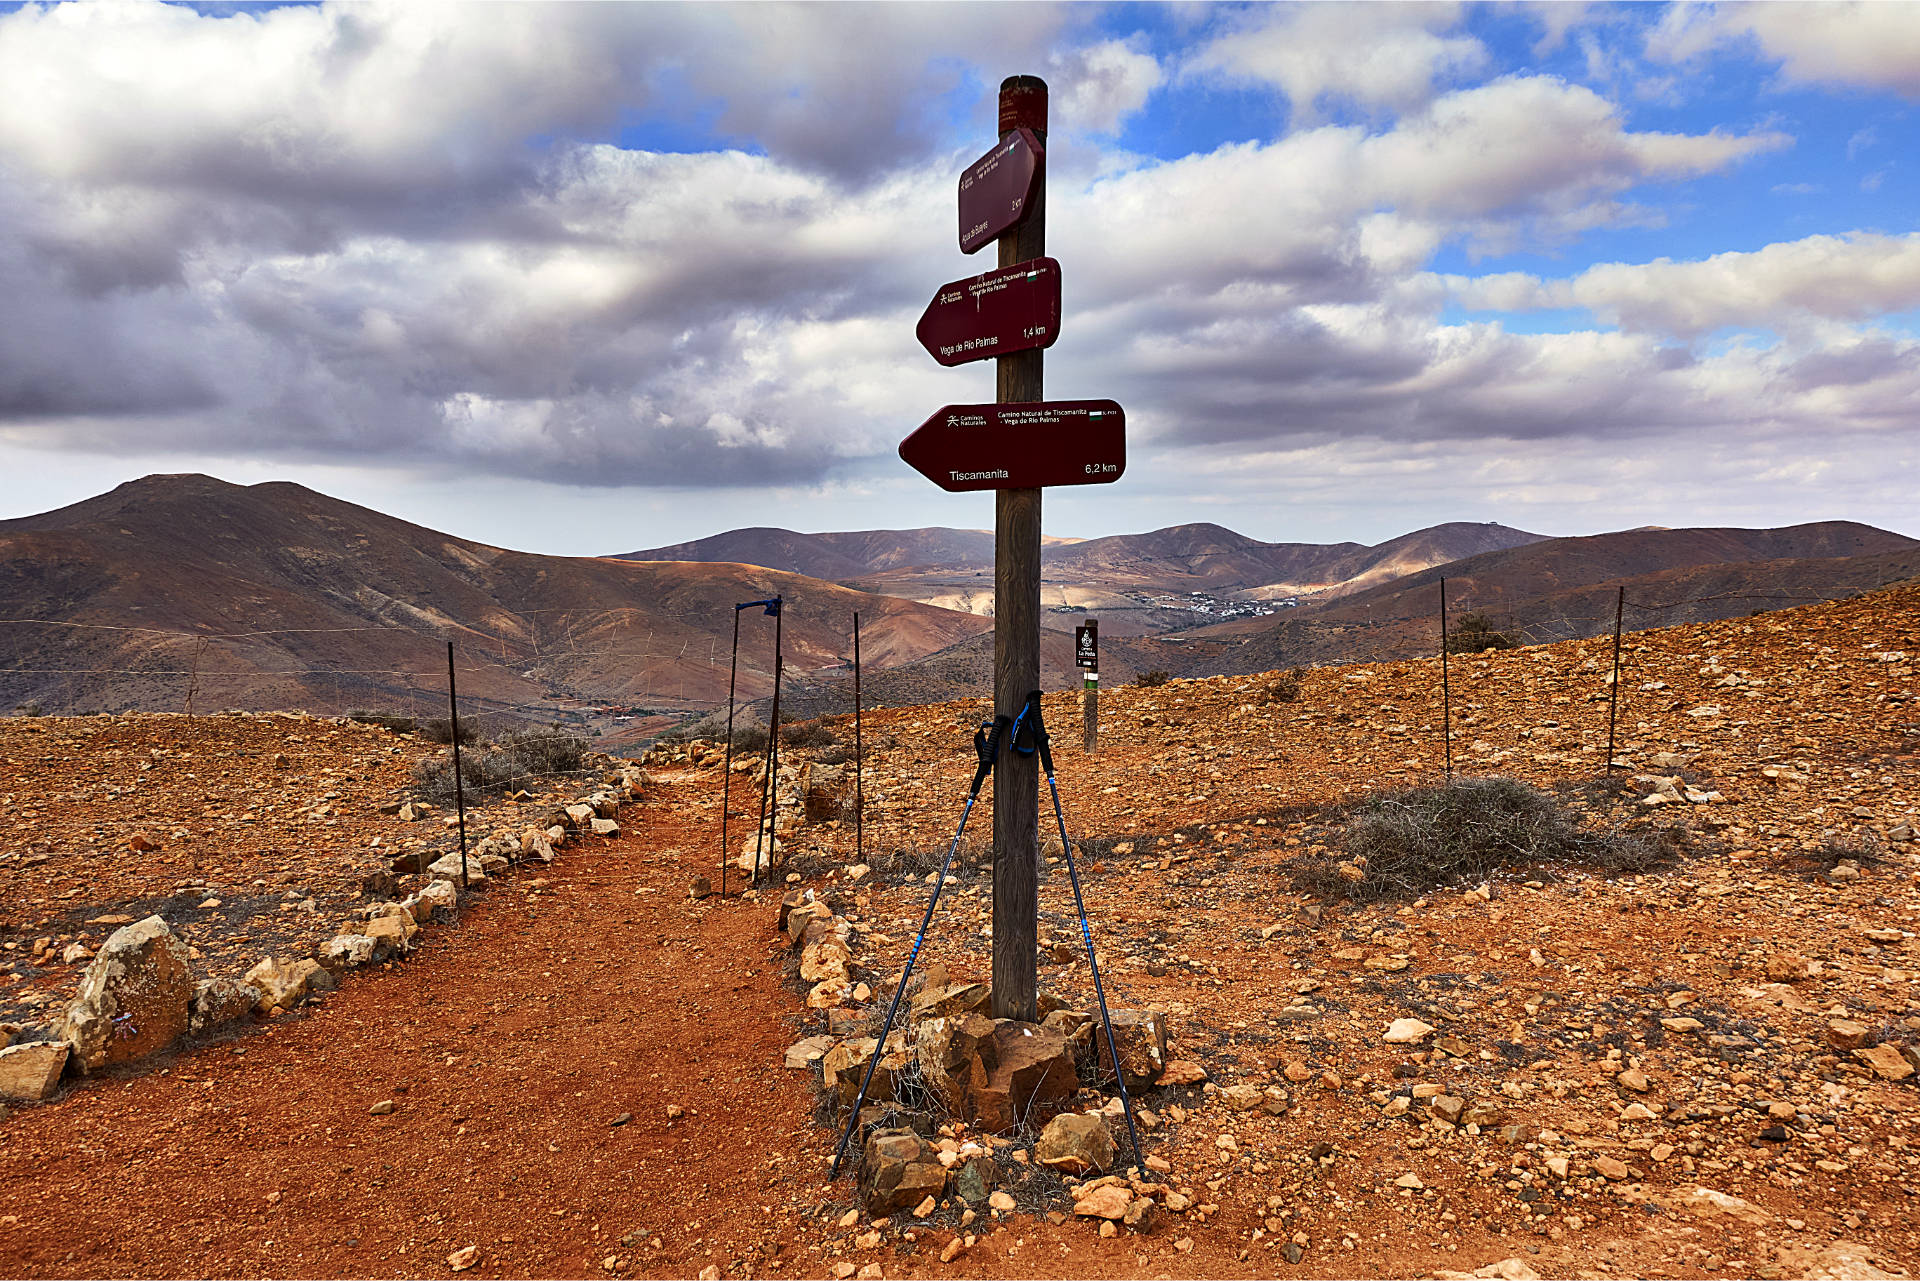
[{"x": 1013, "y": 447}]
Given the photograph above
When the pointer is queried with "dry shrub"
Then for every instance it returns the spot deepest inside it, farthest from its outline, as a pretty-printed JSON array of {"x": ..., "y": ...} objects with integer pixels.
[
  {"x": 513, "y": 762},
  {"x": 1474, "y": 634},
  {"x": 1153, "y": 679},
  {"x": 808, "y": 734},
  {"x": 1864, "y": 849},
  {"x": 1403, "y": 843},
  {"x": 395, "y": 721},
  {"x": 1285, "y": 686},
  {"x": 439, "y": 729}
]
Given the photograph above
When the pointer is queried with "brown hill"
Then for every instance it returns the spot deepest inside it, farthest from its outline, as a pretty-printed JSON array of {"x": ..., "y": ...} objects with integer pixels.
[
  {"x": 273, "y": 595},
  {"x": 834, "y": 555},
  {"x": 1568, "y": 587},
  {"x": 1155, "y": 582}
]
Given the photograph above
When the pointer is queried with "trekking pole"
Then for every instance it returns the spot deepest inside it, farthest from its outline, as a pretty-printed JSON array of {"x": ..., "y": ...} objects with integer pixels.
[
  {"x": 773, "y": 740},
  {"x": 859, "y": 758},
  {"x": 726, "y": 783},
  {"x": 772, "y": 832},
  {"x": 986, "y": 745},
  {"x": 726, "y": 777},
  {"x": 1037, "y": 740}
]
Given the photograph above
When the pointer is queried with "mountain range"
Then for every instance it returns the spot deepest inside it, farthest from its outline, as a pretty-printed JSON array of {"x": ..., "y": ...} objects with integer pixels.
[
  {"x": 1138, "y": 584},
  {"x": 189, "y": 593}
]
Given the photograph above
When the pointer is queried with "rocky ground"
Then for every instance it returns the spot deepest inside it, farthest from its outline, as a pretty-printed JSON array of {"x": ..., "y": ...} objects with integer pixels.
[
  {"x": 1695, "y": 1070},
  {"x": 251, "y": 835}
]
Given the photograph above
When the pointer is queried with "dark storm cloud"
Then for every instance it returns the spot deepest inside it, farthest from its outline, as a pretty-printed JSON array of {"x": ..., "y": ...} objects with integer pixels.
[{"x": 408, "y": 233}]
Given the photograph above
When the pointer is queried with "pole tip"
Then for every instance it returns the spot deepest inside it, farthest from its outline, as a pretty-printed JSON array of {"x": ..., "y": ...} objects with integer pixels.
[{"x": 1023, "y": 102}]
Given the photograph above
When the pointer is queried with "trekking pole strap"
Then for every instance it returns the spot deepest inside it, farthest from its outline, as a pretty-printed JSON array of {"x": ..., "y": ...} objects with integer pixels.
[
  {"x": 1030, "y": 733},
  {"x": 986, "y": 745}
]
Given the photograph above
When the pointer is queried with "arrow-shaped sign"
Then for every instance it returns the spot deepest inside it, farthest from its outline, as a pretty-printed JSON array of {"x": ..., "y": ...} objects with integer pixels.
[
  {"x": 997, "y": 190},
  {"x": 1020, "y": 446},
  {"x": 1013, "y": 309}
]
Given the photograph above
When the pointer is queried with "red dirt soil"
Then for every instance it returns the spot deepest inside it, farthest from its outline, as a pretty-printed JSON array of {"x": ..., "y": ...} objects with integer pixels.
[{"x": 513, "y": 1042}]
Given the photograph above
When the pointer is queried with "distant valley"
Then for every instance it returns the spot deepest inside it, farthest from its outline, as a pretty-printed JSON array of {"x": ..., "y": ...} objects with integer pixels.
[{"x": 173, "y": 593}]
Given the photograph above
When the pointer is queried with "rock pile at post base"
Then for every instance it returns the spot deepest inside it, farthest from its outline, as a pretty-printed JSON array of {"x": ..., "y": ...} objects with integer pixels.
[{"x": 948, "y": 1060}]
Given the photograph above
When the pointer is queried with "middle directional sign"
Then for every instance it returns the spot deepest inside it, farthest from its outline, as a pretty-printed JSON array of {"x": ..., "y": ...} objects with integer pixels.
[
  {"x": 1013, "y": 309},
  {"x": 1020, "y": 445}
]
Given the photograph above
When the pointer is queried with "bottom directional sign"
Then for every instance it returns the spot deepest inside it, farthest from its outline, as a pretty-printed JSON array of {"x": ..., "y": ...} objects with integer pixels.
[{"x": 1020, "y": 446}]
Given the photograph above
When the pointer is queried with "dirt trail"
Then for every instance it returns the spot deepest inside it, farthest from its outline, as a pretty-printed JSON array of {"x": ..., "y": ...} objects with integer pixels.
[{"x": 509, "y": 1046}]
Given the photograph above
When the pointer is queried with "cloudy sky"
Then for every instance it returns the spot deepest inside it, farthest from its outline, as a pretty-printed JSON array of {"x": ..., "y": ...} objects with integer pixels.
[{"x": 583, "y": 278}]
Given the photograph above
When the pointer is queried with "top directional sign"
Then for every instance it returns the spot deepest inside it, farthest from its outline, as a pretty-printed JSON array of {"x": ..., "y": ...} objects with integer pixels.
[
  {"x": 1013, "y": 309},
  {"x": 997, "y": 190}
]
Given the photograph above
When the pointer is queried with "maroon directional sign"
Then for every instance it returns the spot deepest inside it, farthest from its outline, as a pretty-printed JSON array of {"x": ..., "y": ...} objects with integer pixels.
[
  {"x": 1020, "y": 446},
  {"x": 997, "y": 190},
  {"x": 1013, "y": 309}
]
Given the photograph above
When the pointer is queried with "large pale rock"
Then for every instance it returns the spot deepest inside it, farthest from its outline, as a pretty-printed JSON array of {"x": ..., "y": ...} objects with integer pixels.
[
  {"x": 135, "y": 999},
  {"x": 898, "y": 1170},
  {"x": 222, "y": 1000},
  {"x": 808, "y": 1050},
  {"x": 830, "y": 994},
  {"x": 944, "y": 1000},
  {"x": 1032, "y": 1074},
  {"x": 825, "y": 960},
  {"x": 1407, "y": 1032},
  {"x": 345, "y": 951},
  {"x": 1076, "y": 1142},
  {"x": 948, "y": 1048},
  {"x": 448, "y": 868},
  {"x": 283, "y": 987},
  {"x": 1108, "y": 1201},
  {"x": 434, "y": 900},
  {"x": 798, "y": 918},
  {"x": 845, "y": 1066},
  {"x": 771, "y": 853},
  {"x": 31, "y": 1072},
  {"x": 1706, "y": 1203},
  {"x": 1886, "y": 1061},
  {"x": 1141, "y": 1038},
  {"x": 390, "y": 935}
]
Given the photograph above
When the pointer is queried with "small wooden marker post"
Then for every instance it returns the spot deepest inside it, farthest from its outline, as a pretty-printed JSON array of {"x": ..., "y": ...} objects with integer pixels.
[
  {"x": 859, "y": 758},
  {"x": 1613, "y": 693},
  {"x": 1446, "y": 691},
  {"x": 459, "y": 787},
  {"x": 1086, "y": 656},
  {"x": 1016, "y": 625}
]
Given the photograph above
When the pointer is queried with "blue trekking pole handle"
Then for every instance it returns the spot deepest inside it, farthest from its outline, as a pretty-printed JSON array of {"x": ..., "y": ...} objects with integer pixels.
[{"x": 986, "y": 744}]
